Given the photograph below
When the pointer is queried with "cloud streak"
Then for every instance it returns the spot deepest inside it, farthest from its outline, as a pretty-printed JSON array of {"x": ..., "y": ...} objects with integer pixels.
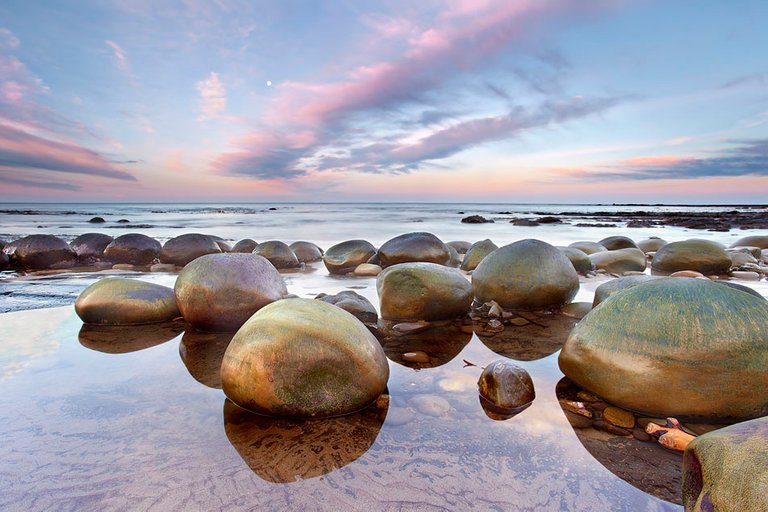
[
  {"x": 332, "y": 116},
  {"x": 213, "y": 97}
]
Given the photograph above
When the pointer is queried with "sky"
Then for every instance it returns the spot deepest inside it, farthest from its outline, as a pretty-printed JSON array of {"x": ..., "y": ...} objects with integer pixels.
[{"x": 555, "y": 101}]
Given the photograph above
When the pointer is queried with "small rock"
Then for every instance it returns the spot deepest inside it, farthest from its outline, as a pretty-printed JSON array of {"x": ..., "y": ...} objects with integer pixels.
[
  {"x": 161, "y": 267},
  {"x": 467, "y": 329},
  {"x": 495, "y": 310},
  {"x": 367, "y": 269},
  {"x": 97, "y": 220},
  {"x": 476, "y": 219},
  {"x": 411, "y": 327},
  {"x": 586, "y": 396},
  {"x": 494, "y": 326},
  {"x": 747, "y": 276},
  {"x": 577, "y": 420},
  {"x": 640, "y": 434},
  {"x": 416, "y": 357},
  {"x": 123, "y": 266},
  {"x": 619, "y": 417},
  {"x": 518, "y": 321},
  {"x": 687, "y": 273},
  {"x": 611, "y": 429},
  {"x": 576, "y": 408}
]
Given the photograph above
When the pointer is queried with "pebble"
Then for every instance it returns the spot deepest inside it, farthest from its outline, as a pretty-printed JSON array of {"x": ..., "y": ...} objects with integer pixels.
[
  {"x": 632, "y": 273},
  {"x": 577, "y": 420},
  {"x": 576, "y": 408},
  {"x": 640, "y": 434},
  {"x": 644, "y": 421},
  {"x": 467, "y": 329},
  {"x": 619, "y": 417},
  {"x": 518, "y": 321},
  {"x": 611, "y": 429},
  {"x": 411, "y": 327},
  {"x": 586, "y": 396},
  {"x": 688, "y": 273},
  {"x": 367, "y": 269},
  {"x": 416, "y": 357},
  {"x": 747, "y": 276},
  {"x": 163, "y": 267},
  {"x": 123, "y": 266},
  {"x": 495, "y": 325},
  {"x": 495, "y": 311}
]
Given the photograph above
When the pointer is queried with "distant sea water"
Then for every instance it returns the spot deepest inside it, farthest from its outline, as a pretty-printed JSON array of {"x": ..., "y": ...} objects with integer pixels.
[{"x": 328, "y": 223}]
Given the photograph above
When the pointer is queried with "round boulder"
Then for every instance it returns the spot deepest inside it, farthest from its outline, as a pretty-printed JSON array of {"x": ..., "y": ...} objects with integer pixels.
[
  {"x": 134, "y": 249},
  {"x": 246, "y": 245},
  {"x": 613, "y": 286},
  {"x": 588, "y": 247},
  {"x": 304, "y": 358},
  {"x": 760, "y": 241},
  {"x": 89, "y": 247},
  {"x": 118, "y": 301},
  {"x": 306, "y": 252},
  {"x": 699, "y": 255},
  {"x": 346, "y": 256},
  {"x": 620, "y": 260},
  {"x": 506, "y": 385},
  {"x": 413, "y": 247},
  {"x": 651, "y": 244},
  {"x": 579, "y": 259},
  {"x": 278, "y": 253},
  {"x": 618, "y": 242},
  {"x": 459, "y": 246},
  {"x": 185, "y": 248},
  {"x": 677, "y": 347},
  {"x": 219, "y": 292},
  {"x": 476, "y": 253},
  {"x": 422, "y": 291},
  {"x": 44, "y": 251},
  {"x": 353, "y": 303},
  {"x": 4, "y": 261},
  {"x": 728, "y": 469},
  {"x": 529, "y": 274}
]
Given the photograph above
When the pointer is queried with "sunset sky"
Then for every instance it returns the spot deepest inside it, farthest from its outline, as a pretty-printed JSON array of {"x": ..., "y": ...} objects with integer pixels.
[{"x": 350, "y": 100}]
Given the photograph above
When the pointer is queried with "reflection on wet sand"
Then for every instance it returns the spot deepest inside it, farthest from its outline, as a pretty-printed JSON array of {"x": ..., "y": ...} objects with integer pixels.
[
  {"x": 542, "y": 336},
  {"x": 441, "y": 344},
  {"x": 115, "y": 339},
  {"x": 202, "y": 353},
  {"x": 645, "y": 465},
  {"x": 283, "y": 451}
]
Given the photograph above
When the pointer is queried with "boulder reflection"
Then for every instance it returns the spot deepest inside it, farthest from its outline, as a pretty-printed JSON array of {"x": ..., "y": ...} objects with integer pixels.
[
  {"x": 122, "y": 339},
  {"x": 282, "y": 451},
  {"x": 644, "y": 465},
  {"x": 542, "y": 336},
  {"x": 202, "y": 353},
  {"x": 497, "y": 413},
  {"x": 441, "y": 344}
]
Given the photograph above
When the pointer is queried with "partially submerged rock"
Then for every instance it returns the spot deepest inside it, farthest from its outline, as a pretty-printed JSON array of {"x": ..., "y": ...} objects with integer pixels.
[
  {"x": 613, "y": 243},
  {"x": 619, "y": 261},
  {"x": 706, "y": 343},
  {"x": 304, "y": 358},
  {"x": 118, "y": 301},
  {"x": 529, "y": 274},
  {"x": 89, "y": 247},
  {"x": 699, "y": 255},
  {"x": 353, "y": 303},
  {"x": 506, "y": 385},
  {"x": 579, "y": 259},
  {"x": 306, "y": 252},
  {"x": 346, "y": 256},
  {"x": 134, "y": 249},
  {"x": 278, "y": 253},
  {"x": 37, "y": 252}
]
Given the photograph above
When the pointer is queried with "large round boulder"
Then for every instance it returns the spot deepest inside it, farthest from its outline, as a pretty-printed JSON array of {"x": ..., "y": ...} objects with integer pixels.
[
  {"x": 760, "y": 241},
  {"x": 346, "y": 256},
  {"x": 353, "y": 303},
  {"x": 579, "y": 259},
  {"x": 422, "y": 291},
  {"x": 618, "y": 242},
  {"x": 219, "y": 292},
  {"x": 118, "y": 301},
  {"x": 89, "y": 247},
  {"x": 182, "y": 249},
  {"x": 677, "y": 347},
  {"x": 246, "y": 245},
  {"x": 476, "y": 253},
  {"x": 699, "y": 255},
  {"x": 588, "y": 247},
  {"x": 134, "y": 249},
  {"x": 620, "y": 260},
  {"x": 44, "y": 251},
  {"x": 728, "y": 469},
  {"x": 304, "y": 358},
  {"x": 306, "y": 252},
  {"x": 651, "y": 244},
  {"x": 278, "y": 253},
  {"x": 529, "y": 274},
  {"x": 413, "y": 247}
]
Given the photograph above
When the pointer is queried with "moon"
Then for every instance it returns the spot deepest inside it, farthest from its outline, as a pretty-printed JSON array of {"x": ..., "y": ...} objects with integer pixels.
[{"x": 269, "y": 83}]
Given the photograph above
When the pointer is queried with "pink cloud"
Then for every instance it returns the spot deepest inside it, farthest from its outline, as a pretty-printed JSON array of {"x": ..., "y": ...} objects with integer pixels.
[
  {"x": 213, "y": 96},
  {"x": 467, "y": 35},
  {"x": 120, "y": 56}
]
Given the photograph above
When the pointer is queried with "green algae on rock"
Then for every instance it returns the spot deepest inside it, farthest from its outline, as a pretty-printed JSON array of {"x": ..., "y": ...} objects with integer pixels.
[
  {"x": 728, "y": 469},
  {"x": 117, "y": 301},
  {"x": 677, "y": 347},
  {"x": 304, "y": 358},
  {"x": 620, "y": 260},
  {"x": 422, "y": 291},
  {"x": 529, "y": 274},
  {"x": 608, "y": 288}
]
